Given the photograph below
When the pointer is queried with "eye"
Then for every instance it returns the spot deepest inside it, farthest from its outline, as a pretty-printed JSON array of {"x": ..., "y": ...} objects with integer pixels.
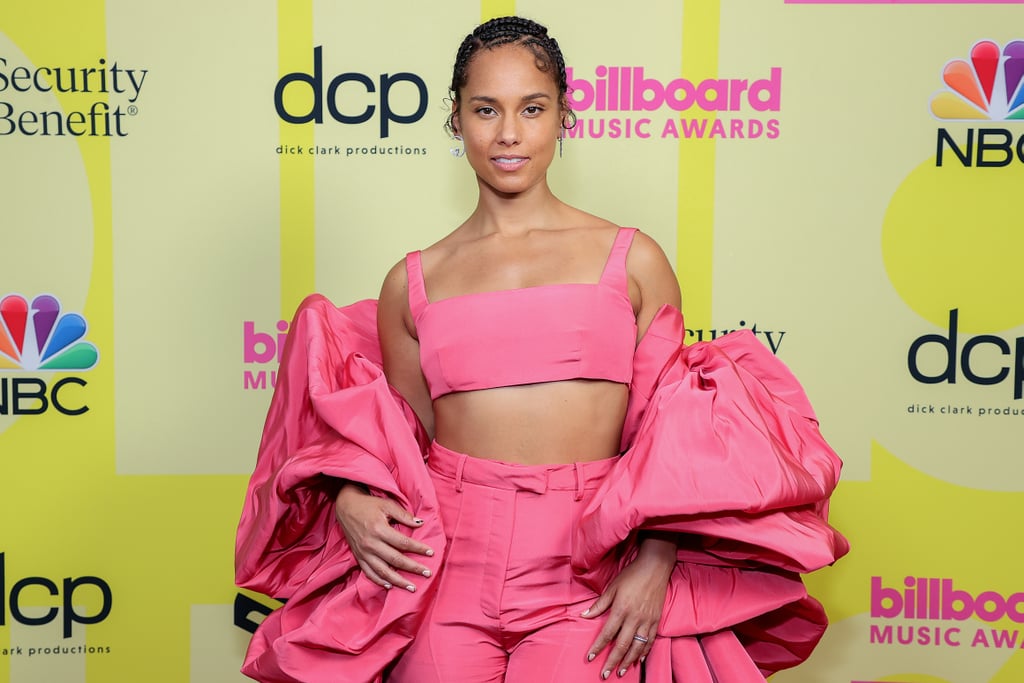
[
  {"x": 533, "y": 110},
  {"x": 485, "y": 111}
]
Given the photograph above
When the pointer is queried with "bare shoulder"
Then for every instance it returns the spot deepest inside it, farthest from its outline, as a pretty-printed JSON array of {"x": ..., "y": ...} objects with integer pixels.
[
  {"x": 395, "y": 286},
  {"x": 649, "y": 268},
  {"x": 393, "y": 302},
  {"x": 645, "y": 251}
]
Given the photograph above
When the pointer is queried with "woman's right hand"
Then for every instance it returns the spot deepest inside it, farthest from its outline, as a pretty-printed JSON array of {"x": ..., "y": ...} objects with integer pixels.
[{"x": 379, "y": 548}]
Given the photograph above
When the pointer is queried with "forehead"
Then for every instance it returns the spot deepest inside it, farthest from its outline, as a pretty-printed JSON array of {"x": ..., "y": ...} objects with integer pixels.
[{"x": 508, "y": 68}]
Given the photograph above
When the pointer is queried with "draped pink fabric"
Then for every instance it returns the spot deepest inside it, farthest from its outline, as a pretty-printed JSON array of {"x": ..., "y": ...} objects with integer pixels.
[{"x": 721, "y": 446}]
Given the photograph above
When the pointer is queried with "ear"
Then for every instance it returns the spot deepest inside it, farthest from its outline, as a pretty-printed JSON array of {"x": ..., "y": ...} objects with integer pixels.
[{"x": 454, "y": 119}]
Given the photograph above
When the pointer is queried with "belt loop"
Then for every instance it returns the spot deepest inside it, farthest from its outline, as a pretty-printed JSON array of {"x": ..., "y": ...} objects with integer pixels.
[
  {"x": 459, "y": 467},
  {"x": 578, "y": 469}
]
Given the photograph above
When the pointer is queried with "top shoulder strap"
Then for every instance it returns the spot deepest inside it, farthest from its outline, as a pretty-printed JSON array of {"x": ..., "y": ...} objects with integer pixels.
[
  {"x": 417, "y": 287},
  {"x": 614, "y": 273}
]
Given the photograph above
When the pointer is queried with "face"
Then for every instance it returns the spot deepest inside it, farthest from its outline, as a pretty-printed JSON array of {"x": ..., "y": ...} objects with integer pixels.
[{"x": 509, "y": 116}]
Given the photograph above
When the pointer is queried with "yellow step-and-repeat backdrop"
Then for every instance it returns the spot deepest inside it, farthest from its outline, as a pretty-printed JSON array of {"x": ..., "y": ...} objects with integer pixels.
[{"x": 842, "y": 178}]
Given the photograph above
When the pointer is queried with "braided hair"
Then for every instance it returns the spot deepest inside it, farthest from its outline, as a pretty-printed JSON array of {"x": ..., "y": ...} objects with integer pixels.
[{"x": 511, "y": 31}]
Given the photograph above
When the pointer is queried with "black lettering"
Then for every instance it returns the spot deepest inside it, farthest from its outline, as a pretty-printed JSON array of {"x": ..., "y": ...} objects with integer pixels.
[
  {"x": 386, "y": 113},
  {"x": 965, "y": 359},
  {"x": 315, "y": 81},
  {"x": 332, "y": 98},
  {"x": 55, "y": 399},
  {"x": 17, "y": 394},
  {"x": 963, "y": 155},
  {"x": 1018, "y": 371},
  {"x": 1003, "y": 146},
  {"x": 949, "y": 343},
  {"x": 20, "y": 616},
  {"x": 7, "y": 117},
  {"x": 71, "y": 616},
  {"x": 244, "y": 609}
]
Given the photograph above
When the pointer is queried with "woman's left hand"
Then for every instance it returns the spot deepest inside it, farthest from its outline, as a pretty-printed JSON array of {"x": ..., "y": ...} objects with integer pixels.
[{"x": 634, "y": 601}]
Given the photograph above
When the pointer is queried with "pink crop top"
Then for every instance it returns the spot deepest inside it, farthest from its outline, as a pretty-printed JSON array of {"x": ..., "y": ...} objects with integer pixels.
[{"x": 519, "y": 336}]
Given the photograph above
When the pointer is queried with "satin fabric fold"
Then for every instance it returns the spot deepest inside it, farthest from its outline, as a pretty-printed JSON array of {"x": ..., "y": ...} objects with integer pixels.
[
  {"x": 720, "y": 445},
  {"x": 332, "y": 417}
]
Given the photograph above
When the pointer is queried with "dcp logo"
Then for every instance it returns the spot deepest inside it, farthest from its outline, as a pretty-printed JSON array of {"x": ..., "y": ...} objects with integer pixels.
[{"x": 384, "y": 86}]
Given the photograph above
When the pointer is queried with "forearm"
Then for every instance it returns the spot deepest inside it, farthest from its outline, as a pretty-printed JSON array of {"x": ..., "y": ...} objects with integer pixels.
[{"x": 657, "y": 550}]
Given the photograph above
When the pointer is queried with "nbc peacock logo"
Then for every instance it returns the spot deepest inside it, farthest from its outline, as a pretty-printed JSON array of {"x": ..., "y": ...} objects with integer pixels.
[
  {"x": 36, "y": 337},
  {"x": 42, "y": 337},
  {"x": 987, "y": 86}
]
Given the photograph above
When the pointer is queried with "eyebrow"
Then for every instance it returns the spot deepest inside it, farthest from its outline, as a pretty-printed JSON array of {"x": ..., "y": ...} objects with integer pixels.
[{"x": 525, "y": 98}]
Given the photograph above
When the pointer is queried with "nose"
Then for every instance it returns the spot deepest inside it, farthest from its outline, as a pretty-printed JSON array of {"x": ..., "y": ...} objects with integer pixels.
[{"x": 508, "y": 134}]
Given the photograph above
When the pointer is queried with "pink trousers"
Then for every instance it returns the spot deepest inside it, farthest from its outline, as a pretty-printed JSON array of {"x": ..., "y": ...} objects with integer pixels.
[{"x": 507, "y": 607}]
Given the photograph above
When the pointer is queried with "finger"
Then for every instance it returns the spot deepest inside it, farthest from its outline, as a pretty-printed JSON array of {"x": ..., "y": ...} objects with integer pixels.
[
  {"x": 616, "y": 658},
  {"x": 400, "y": 562},
  {"x": 391, "y": 578},
  {"x": 633, "y": 654},
  {"x": 397, "y": 546},
  {"x": 399, "y": 514},
  {"x": 598, "y": 607},
  {"x": 405, "y": 544},
  {"x": 608, "y": 631},
  {"x": 373, "y": 576}
]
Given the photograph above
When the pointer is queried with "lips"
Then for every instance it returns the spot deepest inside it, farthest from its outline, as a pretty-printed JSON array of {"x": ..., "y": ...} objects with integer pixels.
[{"x": 509, "y": 163}]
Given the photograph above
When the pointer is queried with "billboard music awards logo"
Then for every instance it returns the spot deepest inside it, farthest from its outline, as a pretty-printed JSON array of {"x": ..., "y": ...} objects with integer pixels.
[
  {"x": 99, "y": 81},
  {"x": 987, "y": 86},
  {"x": 935, "y": 612},
  {"x": 261, "y": 352},
  {"x": 40, "y": 337},
  {"x": 628, "y": 102}
]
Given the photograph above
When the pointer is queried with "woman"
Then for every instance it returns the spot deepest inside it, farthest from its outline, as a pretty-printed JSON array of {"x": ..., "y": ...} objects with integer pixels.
[
  {"x": 514, "y": 342},
  {"x": 506, "y": 284}
]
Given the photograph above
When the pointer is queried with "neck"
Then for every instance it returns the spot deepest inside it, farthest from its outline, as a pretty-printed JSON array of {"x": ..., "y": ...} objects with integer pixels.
[{"x": 516, "y": 214}]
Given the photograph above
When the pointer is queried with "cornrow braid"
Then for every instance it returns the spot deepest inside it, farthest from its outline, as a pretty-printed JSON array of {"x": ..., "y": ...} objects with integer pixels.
[{"x": 509, "y": 31}]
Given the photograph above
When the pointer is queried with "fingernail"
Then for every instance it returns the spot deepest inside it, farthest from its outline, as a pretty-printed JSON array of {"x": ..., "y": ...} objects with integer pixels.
[
  {"x": 429, "y": 553},
  {"x": 411, "y": 588},
  {"x": 585, "y": 612},
  {"x": 590, "y": 657},
  {"x": 606, "y": 674},
  {"x": 426, "y": 572},
  {"x": 387, "y": 586},
  {"x": 643, "y": 658},
  {"x": 417, "y": 520},
  {"x": 622, "y": 672}
]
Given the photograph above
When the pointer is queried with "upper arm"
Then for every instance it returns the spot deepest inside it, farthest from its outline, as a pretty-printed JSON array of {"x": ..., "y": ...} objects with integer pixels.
[
  {"x": 399, "y": 346},
  {"x": 650, "y": 271}
]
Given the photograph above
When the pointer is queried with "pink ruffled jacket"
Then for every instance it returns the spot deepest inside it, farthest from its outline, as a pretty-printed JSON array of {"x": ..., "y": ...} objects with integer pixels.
[{"x": 720, "y": 445}]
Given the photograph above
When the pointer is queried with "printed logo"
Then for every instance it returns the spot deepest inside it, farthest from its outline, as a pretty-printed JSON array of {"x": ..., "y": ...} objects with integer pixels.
[
  {"x": 938, "y": 609},
  {"x": 249, "y": 613},
  {"x": 101, "y": 81},
  {"x": 629, "y": 93},
  {"x": 81, "y": 600},
  {"x": 954, "y": 355},
  {"x": 51, "y": 342},
  {"x": 262, "y": 350},
  {"x": 988, "y": 86},
  {"x": 35, "y": 338},
  {"x": 362, "y": 87},
  {"x": 772, "y": 338}
]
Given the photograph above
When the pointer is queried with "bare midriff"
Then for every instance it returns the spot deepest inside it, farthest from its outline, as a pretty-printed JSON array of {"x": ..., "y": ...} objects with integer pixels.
[{"x": 534, "y": 424}]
